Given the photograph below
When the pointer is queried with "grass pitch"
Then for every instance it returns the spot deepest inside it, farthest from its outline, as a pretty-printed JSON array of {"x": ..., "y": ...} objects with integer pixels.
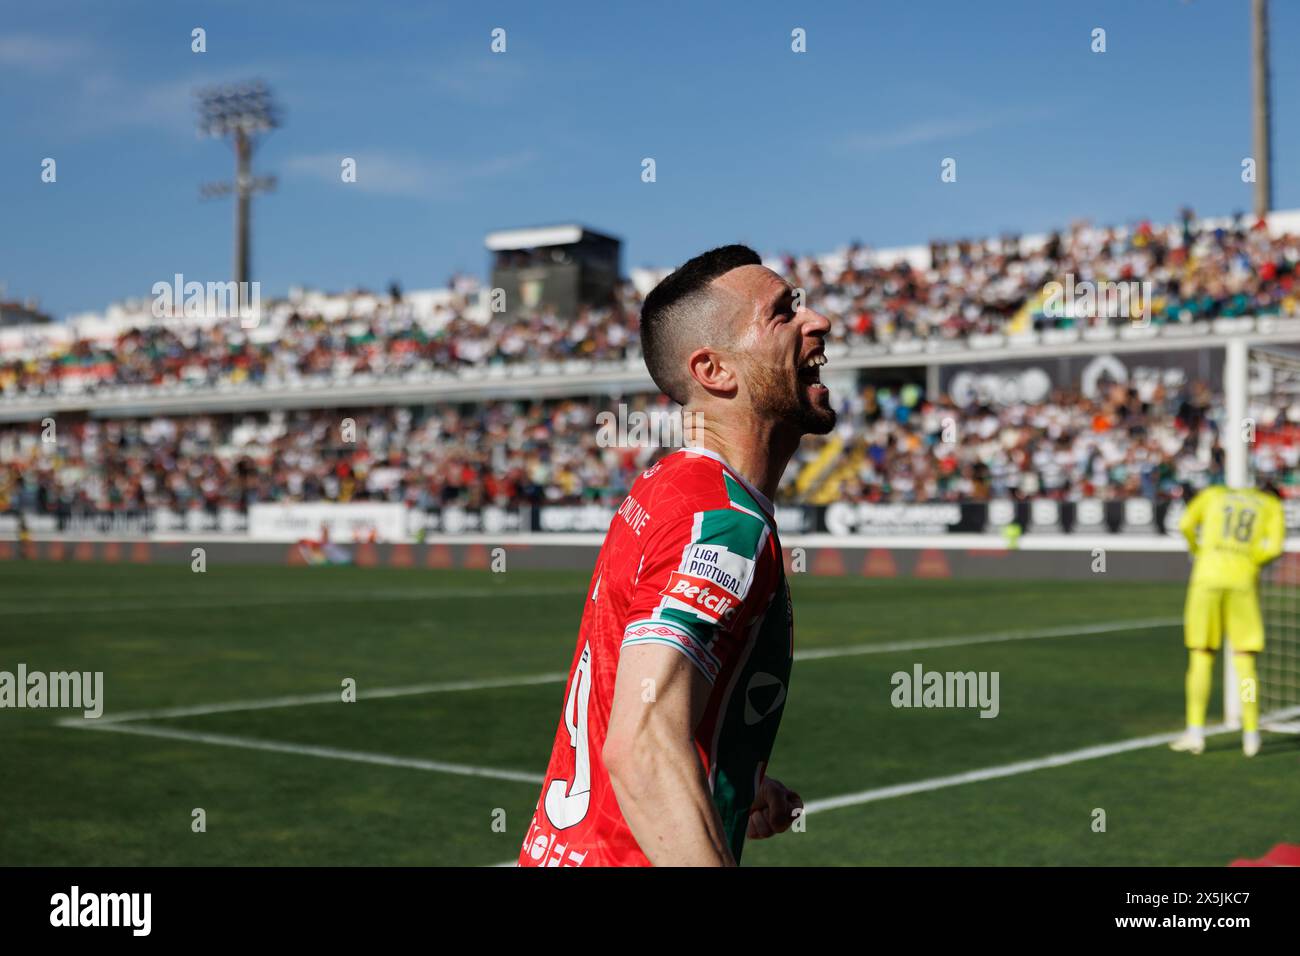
[{"x": 419, "y": 776}]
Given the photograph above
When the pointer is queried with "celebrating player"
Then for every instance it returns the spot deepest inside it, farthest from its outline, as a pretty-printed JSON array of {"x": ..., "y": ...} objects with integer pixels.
[
  {"x": 1231, "y": 533},
  {"x": 683, "y": 658}
]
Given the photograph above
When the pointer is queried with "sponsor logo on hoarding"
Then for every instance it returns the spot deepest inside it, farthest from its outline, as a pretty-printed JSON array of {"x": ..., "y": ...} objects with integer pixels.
[{"x": 892, "y": 518}]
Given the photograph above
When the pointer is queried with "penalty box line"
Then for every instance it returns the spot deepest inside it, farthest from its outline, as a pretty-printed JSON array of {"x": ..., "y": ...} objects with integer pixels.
[
  {"x": 281, "y": 600},
  {"x": 411, "y": 690},
  {"x": 514, "y": 776},
  {"x": 1022, "y": 766},
  {"x": 323, "y": 697},
  {"x": 116, "y": 725},
  {"x": 310, "y": 750},
  {"x": 132, "y": 722}
]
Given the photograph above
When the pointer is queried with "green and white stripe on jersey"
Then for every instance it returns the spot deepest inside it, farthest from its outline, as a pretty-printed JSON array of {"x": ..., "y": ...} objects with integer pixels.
[{"x": 740, "y": 498}]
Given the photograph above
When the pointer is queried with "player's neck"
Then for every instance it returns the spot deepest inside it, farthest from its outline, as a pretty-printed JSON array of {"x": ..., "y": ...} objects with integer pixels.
[{"x": 758, "y": 451}]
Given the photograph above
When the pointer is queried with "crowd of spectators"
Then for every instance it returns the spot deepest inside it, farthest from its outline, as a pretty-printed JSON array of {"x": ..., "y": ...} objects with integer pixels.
[
  {"x": 1158, "y": 443},
  {"x": 493, "y": 453},
  {"x": 963, "y": 288},
  {"x": 391, "y": 343}
]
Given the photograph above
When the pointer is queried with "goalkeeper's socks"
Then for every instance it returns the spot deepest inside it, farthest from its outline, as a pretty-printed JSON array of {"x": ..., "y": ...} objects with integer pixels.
[
  {"x": 1247, "y": 690},
  {"x": 1200, "y": 674},
  {"x": 1250, "y": 743}
]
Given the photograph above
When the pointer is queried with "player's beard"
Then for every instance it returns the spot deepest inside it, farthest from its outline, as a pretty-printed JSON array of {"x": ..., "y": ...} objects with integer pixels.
[{"x": 780, "y": 396}]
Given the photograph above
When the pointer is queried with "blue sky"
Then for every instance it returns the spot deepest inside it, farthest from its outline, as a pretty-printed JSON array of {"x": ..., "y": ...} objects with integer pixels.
[{"x": 754, "y": 143}]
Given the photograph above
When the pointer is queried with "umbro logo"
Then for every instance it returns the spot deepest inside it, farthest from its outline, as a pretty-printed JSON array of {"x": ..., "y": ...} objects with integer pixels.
[{"x": 764, "y": 696}]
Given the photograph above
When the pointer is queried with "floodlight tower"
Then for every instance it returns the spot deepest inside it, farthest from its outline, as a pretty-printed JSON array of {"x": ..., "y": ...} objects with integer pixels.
[
  {"x": 240, "y": 112},
  {"x": 1261, "y": 108}
]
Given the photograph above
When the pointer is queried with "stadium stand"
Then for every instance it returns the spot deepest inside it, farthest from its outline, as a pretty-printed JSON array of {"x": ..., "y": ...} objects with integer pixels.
[
  {"x": 894, "y": 443},
  {"x": 964, "y": 291},
  {"x": 891, "y": 445}
]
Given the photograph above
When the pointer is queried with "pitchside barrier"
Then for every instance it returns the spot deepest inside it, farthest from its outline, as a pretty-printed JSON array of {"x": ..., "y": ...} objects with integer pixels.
[
  {"x": 1040, "y": 556},
  {"x": 1135, "y": 538},
  {"x": 390, "y": 521}
]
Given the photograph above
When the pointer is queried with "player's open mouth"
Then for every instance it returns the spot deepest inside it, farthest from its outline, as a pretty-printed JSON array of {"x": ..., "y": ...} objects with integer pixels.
[{"x": 810, "y": 372}]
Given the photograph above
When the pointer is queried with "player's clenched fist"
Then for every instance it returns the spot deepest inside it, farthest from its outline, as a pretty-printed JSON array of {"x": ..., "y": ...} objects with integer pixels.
[{"x": 774, "y": 809}]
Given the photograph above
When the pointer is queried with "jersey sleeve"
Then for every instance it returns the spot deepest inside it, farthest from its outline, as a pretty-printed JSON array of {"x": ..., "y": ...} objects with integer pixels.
[
  {"x": 1272, "y": 538},
  {"x": 1191, "y": 520},
  {"x": 704, "y": 577}
]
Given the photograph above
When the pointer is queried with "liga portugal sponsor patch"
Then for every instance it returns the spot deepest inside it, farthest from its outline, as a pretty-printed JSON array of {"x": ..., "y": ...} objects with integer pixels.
[{"x": 706, "y": 598}]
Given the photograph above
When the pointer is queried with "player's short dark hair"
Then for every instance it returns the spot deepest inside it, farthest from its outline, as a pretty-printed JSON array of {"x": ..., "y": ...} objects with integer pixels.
[{"x": 671, "y": 312}]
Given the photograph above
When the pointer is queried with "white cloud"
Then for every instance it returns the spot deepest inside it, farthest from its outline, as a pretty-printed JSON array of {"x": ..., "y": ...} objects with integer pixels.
[
  {"x": 937, "y": 130},
  {"x": 397, "y": 174},
  {"x": 89, "y": 92},
  {"x": 31, "y": 53},
  {"x": 104, "y": 102},
  {"x": 486, "y": 81}
]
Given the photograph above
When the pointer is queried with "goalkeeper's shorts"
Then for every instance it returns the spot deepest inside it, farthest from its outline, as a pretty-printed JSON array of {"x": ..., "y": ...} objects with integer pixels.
[{"x": 1211, "y": 613}]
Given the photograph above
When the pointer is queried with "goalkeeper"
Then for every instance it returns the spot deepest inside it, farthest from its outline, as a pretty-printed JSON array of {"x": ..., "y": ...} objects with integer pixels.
[{"x": 1231, "y": 533}]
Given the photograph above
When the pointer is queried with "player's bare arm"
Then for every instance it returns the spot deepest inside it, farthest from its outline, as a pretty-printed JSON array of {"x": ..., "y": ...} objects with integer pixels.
[{"x": 652, "y": 762}]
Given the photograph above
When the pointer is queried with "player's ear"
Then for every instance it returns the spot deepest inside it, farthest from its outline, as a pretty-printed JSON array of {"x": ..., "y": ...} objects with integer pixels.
[{"x": 713, "y": 371}]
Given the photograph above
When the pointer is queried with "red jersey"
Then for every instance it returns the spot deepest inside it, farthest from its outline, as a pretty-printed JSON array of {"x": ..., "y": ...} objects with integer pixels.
[{"x": 691, "y": 561}]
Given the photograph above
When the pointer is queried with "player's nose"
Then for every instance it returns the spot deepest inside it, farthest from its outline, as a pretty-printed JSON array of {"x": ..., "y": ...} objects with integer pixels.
[{"x": 814, "y": 323}]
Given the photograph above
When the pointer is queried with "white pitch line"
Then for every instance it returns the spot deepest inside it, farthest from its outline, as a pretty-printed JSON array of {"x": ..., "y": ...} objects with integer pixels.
[
  {"x": 308, "y": 750},
  {"x": 1006, "y": 770},
  {"x": 155, "y": 607},
  {"x": 1014, "y": 769},
  {"x": 1068, "y": 630},
  {"x": 324, "y": 697},
  {"x": 815, "y": 654}
]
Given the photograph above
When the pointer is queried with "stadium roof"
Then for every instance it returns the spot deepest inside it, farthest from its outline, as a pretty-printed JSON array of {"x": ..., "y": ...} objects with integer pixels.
[{"x": 539, "y": 236}]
